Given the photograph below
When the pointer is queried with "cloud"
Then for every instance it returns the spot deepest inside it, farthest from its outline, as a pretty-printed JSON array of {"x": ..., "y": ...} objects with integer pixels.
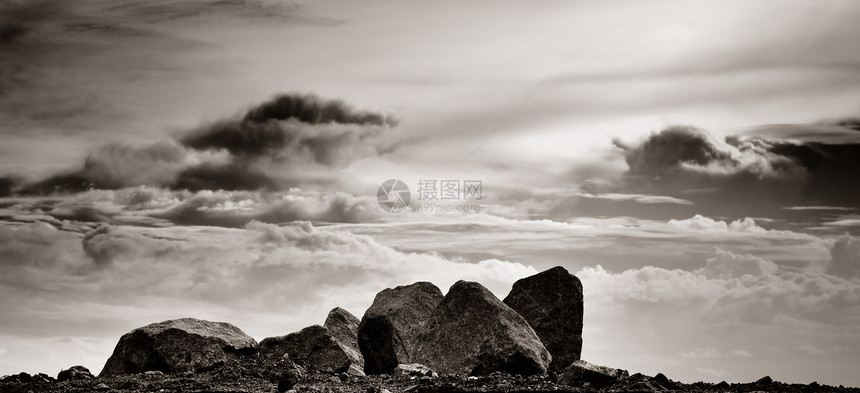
[
  {"x": 236, "y": 208},
  {"x": 712, "y": 353},
  {"x": 116, "y": 166},
  {"x": 9, "y": 184},
  {"x": 744, "y": 174},
  {"x": 845, "y": 257},
  {"x": 851, "y": 123},
  {"x": 726, "y": 265},
  {"x": 290, "y": 140},
  {"x": 223, "y": 11},
  {"x": 326, "y": 132},
  {"x": 712, "y": 372},
  {"x": 731, "y": 312},
  {"x": 230, "y": 176},
  {"x": 268, "y": 279},
  {"x": 702, "y": 223},
  {"x": 149, "y": 206},
  {"x": 639, "y": 198}
]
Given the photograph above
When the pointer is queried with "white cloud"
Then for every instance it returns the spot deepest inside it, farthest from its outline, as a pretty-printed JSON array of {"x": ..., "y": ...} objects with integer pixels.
[
  {"x": 699, "y": 222},
  {"x": 732, "y": 313},
  {"x": 726, "y": 265},
  {"x": 845, "y": 257},
  {"x": 267, "y": 279},
  {"x": 811, "y": 350},
  {"x": 712, "y": 372},
  {"x": 639, "y": 198},
  {"x": 709, "y": 352}
]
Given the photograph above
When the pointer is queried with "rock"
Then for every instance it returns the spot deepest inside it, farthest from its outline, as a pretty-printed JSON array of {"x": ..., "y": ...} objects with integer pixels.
[
  {"x": 638, "y": 377},
  {"x": 390, "y": 327},
  {"x": 26, "y": 378},
  {"x": 101, "y": 387},
  {"x": 343, "y": 326},
  {"x": 663, "y": 380},
  {"x": 414, "y": 370},
  {"x": 551, "y": 302},
  {"x": 74, "y": 373},
  {"x": 645, "y": 386},
  {"x": 42, "y": 377},
  {"x": 472, "y": 332},
  {"x": 723, "y": 385},
  {"x": 289, "y": 378},
  {"x": 175, "y": 346},
  {"x": 313, "y": 347},
  {"x": 580, "y": 372},
  {"x": 766, "y": 380}
]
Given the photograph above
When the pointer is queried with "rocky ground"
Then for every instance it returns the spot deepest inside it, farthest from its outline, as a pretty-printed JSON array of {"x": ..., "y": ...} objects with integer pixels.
[
  {"x": 477, "y": 343},
  {"x": 242, "y": 378}
]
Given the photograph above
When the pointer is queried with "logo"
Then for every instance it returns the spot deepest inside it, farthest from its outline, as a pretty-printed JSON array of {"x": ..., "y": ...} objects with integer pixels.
[{"x": 393, "y": 196}]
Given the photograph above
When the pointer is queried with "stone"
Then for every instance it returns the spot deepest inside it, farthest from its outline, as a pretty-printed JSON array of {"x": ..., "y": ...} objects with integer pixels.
[
  {"x": 314, "y": 347},
  {"x": 645, "y": 386},
  {"x": 581, "y": 372},
  {"x": 766, "y": 380},
  {"x": 723, "y": 385},
  {"x": 552, "y": 303},
  {"x": 74, "y": 373},
  {"x": 101, "y": 387},
  {"x": 343, "y": 326},
  {"x": 289, "y": 378},
  {"x": 414, "y": 370},
  {"x": 663, "y": 380},
  {"x": 472, "y": 332},
  {"x": 177, "y": 346},
  {"x": 389, "y": 328}
]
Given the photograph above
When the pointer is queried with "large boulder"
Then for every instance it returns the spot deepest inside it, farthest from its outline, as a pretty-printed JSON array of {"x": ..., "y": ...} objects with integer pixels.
[
  {"x": 473, "y": 332},
  {"x": 551, "y": 302},
  {"x": 581, "y": 372},
  {"x": 74, "y": 373},
  {"x": 390, "y": 327},
  {"x": 178, "y": 345},
  {"x": 313, "y": 347},
  {"x": 343, "y": 326}
]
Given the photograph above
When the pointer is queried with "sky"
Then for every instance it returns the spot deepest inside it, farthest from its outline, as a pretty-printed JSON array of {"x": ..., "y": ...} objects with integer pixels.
[{"x": 695, "y": 164}]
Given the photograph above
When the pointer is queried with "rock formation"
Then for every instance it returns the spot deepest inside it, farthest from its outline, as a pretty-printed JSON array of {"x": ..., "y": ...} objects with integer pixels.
[
  {"x": 389, "y": 328},
  {"x": 551, "y": 302},
  {"x": 178, "y": 345},
  {"x": 74, "y": 373},
  {"x": 343, "y": 326},
  {"x": 581, "y": 372},
  {"x": 313, "y": 347},
  {"x": 473, "y": 332}
]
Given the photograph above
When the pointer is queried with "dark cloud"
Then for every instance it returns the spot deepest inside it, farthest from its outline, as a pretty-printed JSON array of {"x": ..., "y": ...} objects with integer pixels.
[
  {"x": 9, "y": 185},
  {"x": 327, "y": 132},
  {"x": 311, "y": 109},
  {"x": 291, "y": 140},
  {"x": 167, "y": 11},
  {"x": 116, "y": 166},
  {"x": 742, "y": 175},
  {"x": 20, "y": 17},
  {"x": 852, "y": 123},
  {"x": 223, "y": 177},
  {"x": 50, "y": 49}
]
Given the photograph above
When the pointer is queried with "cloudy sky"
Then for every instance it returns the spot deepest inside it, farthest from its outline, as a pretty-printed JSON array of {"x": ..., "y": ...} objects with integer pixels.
[{"x": 694, "y": 164}]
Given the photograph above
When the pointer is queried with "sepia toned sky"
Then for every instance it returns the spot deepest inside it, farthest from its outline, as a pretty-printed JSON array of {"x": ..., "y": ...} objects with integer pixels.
[{"x": 694, "y": 164}]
